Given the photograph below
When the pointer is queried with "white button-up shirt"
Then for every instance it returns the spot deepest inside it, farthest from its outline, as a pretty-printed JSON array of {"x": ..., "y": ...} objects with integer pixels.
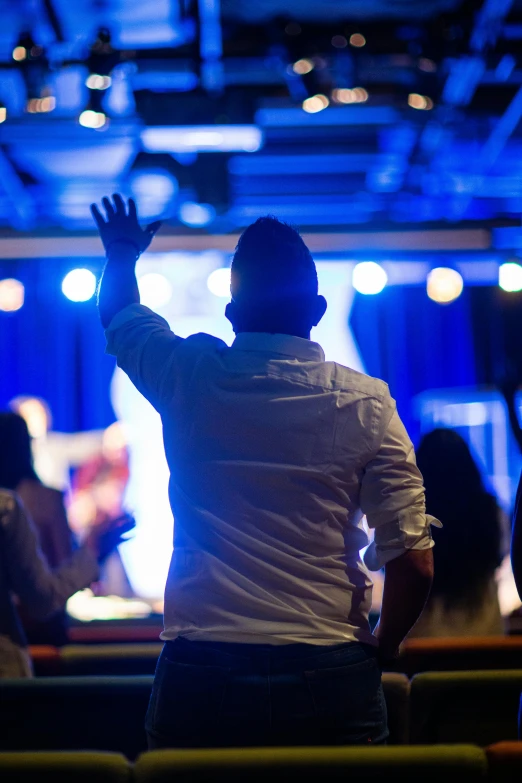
[{"x": 275, "y": 454}]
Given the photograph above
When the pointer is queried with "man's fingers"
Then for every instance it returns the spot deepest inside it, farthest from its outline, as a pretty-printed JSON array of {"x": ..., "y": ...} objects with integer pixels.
[
  {"x": 97, "y": 215},
  {"x": 108, "y": 207},
  {"x": 153, "y": 228},
  {"x": 132, "y": 209},
  {"x": 118, "y": 203}
]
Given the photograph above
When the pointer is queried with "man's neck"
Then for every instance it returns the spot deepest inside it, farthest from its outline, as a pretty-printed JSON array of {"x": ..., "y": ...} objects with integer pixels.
[{"x": 290, "y": 332}]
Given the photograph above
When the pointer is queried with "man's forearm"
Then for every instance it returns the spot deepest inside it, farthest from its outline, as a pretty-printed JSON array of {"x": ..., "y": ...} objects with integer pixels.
[
  {"x": 118, "y": 285},
  {"x": 407, "y": 585},
  {"x": 516, "y": 541}
]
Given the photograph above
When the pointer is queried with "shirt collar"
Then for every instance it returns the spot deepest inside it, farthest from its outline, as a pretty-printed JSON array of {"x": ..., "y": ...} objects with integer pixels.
[{"x": 283, "y": 344}]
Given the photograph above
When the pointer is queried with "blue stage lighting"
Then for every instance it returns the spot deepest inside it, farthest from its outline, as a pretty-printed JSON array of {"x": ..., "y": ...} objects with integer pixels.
[
  {"x": 79, "y": 285},
  {"x": 218, "y": 282},
  {"x": 368, "y": 277},
  {"x": 155, "y": 290},
  {"x": 193, "y": 214},
  {"x": 510, "y": 276}
]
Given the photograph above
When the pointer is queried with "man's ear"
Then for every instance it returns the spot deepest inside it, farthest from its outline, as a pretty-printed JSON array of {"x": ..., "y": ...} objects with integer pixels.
[
  {"x": 320, "y": 306},
  {"x": 231, "y": 312}
]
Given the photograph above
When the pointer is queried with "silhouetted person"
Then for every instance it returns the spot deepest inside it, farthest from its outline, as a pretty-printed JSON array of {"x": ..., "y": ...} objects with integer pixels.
[
  {"x": 274, "y": 455},
  {"x": 47, "y": 511},
  {"x": 464, "y": 595},
  {"x": 25, "y": 572}
]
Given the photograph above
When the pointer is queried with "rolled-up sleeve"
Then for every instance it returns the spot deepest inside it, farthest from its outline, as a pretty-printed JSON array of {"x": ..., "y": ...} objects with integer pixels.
[
  {"x": 392, "y": 496},
  {"x": 146, "y": 350}
]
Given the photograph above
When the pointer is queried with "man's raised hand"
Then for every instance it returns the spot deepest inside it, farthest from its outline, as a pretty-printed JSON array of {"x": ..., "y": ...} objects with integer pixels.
[{"x": 121, "y": 225}]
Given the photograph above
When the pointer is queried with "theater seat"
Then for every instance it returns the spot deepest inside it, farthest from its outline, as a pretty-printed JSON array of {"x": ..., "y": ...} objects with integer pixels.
[
  {"x": 505, "y": 762},
  {"x": 396, "y": 689},
  {"x": 46, "y": 660},
  {"x": 459, "y": 654},
  {"x": 477, "y": 707},
  {"x": 74, "y": 713},
  {"x": 105, "y": 659},
  {"x": 310, "y": 765},
  {"x": 64, "y": 768}
]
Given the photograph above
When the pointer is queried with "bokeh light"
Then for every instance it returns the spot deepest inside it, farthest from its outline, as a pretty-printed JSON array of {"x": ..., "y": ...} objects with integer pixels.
[
  {"x": 12, "y": 295},
  {"x": 315, "y": 103},
  {"x": 444, "y": 285},
  {"x": 155, "y": 290},
  {"x": 218, "y": 282},
  {"x": 368, "y": 277},
  {"x": 79, "y": 285},
  {"x": 510, "y": 276},
  {"x": 193, "y": 214}
]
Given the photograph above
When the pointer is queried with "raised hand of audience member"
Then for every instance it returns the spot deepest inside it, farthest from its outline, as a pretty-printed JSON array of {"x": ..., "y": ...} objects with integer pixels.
[{"x": 121, "y": 225}]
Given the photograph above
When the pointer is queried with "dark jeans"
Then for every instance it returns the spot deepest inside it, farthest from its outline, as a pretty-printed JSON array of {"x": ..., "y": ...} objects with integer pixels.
[{"x": 209, "y": 694}]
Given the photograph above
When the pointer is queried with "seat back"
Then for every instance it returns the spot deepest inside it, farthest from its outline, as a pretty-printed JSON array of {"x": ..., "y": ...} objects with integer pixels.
[
  {"x": 308, "y": 765},
  {"x": 505, "y": 762},
  {"x": 460, "y": 654},
  {"x": 64, "y": 768},
  {"x": 72, "y": 713},
  {"x": 396, "y": 689},
  {"x": 109, "y": 659},
  {"x": 478, "y": 707}
]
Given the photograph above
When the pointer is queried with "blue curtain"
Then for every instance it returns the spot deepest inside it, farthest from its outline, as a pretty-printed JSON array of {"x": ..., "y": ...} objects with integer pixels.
[
  {"x": 415, "y": 344},
  {"x": 54, "y": 348}
]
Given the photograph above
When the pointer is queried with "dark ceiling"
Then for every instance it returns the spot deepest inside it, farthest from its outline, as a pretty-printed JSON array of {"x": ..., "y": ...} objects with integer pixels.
[{"x": 203, "y": 120}]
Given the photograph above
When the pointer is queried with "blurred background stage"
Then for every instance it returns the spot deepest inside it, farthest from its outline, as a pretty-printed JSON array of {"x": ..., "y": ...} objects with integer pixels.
[{"x": 388, "y": 132}]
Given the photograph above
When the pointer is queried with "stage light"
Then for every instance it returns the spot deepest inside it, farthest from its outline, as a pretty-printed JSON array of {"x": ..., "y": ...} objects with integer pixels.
[
  {"x": 421, "y": 102},
  {"x": 154, "y": 191},
  {"x": 444, "y": 285},
  {"x": 92, "y": 119},
  {"x": 202, "y": 138},
  {"x": 41, "y": 105},
  {"x": 357, "y": 40},
  {"x": 193, "y": 214},
  {"x": 218, "y": 282},
  {"x": 155, "y": 290},
  {"x": 96, "y": 81},
  {"x": 12, "y": 294},
  {"x": 315, "y": 103},
  {"x": 19, "y": 53},
  {"x": 302, "y": 67},
  {"x": 510, "y": 276},
  {"x": 79, "y": 285},
  {"x": 3, "y": 114},
  {"x": 368, "y": 277},
  {"x": 339, "y": 41}
]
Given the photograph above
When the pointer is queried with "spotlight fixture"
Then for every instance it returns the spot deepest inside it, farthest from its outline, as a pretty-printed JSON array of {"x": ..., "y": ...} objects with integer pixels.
[{"x": 444, "y": 285}]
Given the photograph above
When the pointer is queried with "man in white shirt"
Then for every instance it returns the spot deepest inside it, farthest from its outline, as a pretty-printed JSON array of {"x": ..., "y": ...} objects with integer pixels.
[{"x": 275, "y": 455}]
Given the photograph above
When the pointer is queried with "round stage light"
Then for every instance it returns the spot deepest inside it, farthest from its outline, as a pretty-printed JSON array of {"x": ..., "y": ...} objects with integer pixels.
[
  {"x": 368, "y": 277},
  {"x": 12, "y": 294},
  {"x": 510, "y": 276},
  {"x": 218, "y": 282},
  {"x": 155, "y": 290},
  {"x": 79, "y": 285},
  {"x": 92, "y": 119},
  {"x": 444, "y": 285},
  {"x": 315, "y": 103},
  {"x": 197, "y": 215}
]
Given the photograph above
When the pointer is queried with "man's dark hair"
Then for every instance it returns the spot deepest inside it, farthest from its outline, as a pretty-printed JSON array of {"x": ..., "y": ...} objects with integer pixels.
[{"x": 272, "y": 266}]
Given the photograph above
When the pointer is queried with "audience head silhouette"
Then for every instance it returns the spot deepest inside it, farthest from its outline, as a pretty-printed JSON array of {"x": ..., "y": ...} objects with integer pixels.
[
  {"x": 468, "y": 546},
  {"x": 16, "y": 459},
  {"x": 274, "y": 282}
]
